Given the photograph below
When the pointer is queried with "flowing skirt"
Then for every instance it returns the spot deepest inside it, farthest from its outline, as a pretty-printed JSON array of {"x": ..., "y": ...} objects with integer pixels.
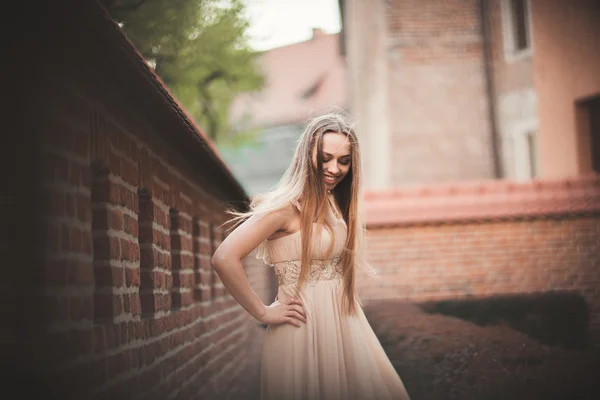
[{"x": 333, "y": 356}]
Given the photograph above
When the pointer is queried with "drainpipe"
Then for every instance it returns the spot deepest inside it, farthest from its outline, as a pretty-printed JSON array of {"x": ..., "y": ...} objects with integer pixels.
[{"x": 484, "y": 14}]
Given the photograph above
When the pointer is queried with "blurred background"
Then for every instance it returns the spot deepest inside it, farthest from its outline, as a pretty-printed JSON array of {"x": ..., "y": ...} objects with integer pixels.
[{"x": 479, "y": 125}]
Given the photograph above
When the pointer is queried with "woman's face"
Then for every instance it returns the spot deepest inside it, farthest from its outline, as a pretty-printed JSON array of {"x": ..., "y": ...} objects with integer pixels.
[{"x": 337, "y": 158}]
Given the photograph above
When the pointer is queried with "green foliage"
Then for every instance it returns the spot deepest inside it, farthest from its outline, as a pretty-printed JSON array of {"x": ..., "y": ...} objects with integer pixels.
[{"x": 200, "y": 50}]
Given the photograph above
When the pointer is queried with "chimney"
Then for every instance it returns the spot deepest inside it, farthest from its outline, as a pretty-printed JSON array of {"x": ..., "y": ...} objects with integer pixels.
[{"x": 317, "y": 33}]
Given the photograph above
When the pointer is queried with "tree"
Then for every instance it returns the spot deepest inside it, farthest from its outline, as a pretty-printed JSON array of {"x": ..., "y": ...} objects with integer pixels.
[{"x": 200, "y": 50}]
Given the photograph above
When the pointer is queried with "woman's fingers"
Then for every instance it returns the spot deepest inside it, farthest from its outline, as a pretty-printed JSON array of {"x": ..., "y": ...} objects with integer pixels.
[
  {"x": 298, "y": 309},
  {"x": 293, "y": 300},
  {"x": 297, "y": 315},
  {"x": 293, "y": 312},
  {"x": 298, "y": 301},
  {"x": 292, "y": 321}
]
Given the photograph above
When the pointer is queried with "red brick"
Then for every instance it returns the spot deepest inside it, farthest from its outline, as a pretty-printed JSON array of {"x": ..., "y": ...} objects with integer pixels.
[
  {"x": 205, "y": 248},
  {"x": 146, "y": 233},
  {"x": 130, "y": 173},
  {"x": 118, "y": 363},
  {"x": 107, "y": 306},
  {"x": 130, "y": 225},
  {"x": 134, "y": 153},
  {"x": 135, "y": 304},
  {"x": 135, "y": 248},
  {"x": 115, "y": 219},
  {"x": 126, "y": 303},
  {"x": 113, "y": 193},
  {"x": 115, "y": 163},
  {"x": 205, "y": 294},
  {"x": 127, "y": 198},
  {"x": 107, "y": 276},
  {"x": 161, "y": 259},
  {"x": 100, "y": 187},
  {"x": 99, "y": 219},
  {"x": 115, "y": 248},
  {"x": 148, "y": 303},
  {"x": 126, "y": 250},
  {"x": 132, "y": 277},
  {"x": 140, "y": 329},
  {"x": 150, "y": 353}
]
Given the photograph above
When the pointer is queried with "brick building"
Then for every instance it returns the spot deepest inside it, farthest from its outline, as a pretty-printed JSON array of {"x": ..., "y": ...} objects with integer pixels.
[
  {"x": 115, "y": 206},
  {"x": 460, "y": 103},
  {"x": 473, "y": 89},
  {"x": 302, "y": 80}
]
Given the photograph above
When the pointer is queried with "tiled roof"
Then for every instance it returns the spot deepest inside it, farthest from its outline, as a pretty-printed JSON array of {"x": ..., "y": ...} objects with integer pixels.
[
  {"x": 483, "y": 200},
  {"x": 301, "y": 79}
]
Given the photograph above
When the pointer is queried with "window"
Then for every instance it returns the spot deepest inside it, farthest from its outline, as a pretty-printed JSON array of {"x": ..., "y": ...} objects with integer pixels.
[
  {"x": 516, "y": 29},
  {"x": 588, "y": 134},
  {"x": 594, "y": 121},
  {"x": 525, "y": 152}
]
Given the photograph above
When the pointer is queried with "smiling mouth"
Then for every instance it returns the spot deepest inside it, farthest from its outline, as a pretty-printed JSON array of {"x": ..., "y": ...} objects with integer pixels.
[{"x": 330, "y": 179}]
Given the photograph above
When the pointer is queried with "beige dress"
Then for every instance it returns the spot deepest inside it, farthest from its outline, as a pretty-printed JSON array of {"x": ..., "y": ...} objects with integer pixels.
[{"x": 333, "y": 356}]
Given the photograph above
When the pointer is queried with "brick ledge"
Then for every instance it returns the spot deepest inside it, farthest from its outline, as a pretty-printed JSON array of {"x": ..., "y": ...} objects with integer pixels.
[{"x": 483, "y": 200}]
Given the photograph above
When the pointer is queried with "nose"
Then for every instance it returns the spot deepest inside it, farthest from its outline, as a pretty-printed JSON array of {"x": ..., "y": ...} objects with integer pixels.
[{"x": 332, "y": 168}]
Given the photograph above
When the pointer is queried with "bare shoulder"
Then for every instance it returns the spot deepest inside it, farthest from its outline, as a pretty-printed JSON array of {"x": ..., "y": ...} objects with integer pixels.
[
  {"x": 290, "y": 210},
  {"x": 253, "y": 231},
  {"x": 288, "y": 220}
]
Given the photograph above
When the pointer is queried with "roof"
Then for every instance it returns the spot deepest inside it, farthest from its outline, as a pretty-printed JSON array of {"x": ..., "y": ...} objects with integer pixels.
[
  {"x": 485, "y": 200},
  {"x": 301, "y": 79}
]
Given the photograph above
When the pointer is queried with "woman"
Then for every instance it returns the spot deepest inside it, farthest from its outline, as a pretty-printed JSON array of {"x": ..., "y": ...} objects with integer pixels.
[{"x": 318, "y": 344}]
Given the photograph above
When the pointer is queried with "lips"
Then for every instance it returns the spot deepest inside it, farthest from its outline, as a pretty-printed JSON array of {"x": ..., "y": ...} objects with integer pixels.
[{"x": 330, "y": 179}]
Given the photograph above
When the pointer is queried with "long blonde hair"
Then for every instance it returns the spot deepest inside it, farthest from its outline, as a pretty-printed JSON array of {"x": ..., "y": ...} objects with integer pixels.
[{"x": 302, "y": 182}]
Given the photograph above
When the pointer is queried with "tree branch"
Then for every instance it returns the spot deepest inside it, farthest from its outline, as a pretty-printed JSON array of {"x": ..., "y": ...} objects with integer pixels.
[
  {"x": 212, "y": 76},
  {"x": 208, "y": 109}
]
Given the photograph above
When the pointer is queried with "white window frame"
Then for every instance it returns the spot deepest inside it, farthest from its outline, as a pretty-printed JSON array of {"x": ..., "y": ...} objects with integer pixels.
[
  {"x": 521, "y": 154},
  {"x": 511, "y": 53}
]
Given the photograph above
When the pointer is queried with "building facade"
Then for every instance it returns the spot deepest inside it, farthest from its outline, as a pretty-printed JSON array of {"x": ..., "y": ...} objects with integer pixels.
[{"x": 473, "y": 89}]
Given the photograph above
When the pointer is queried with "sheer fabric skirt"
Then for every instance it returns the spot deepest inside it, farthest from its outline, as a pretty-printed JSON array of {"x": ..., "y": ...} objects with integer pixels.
[{"x": 333, "y": 356}]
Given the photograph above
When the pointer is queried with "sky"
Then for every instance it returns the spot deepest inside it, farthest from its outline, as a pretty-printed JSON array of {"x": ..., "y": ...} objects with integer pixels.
[{"x": 275, "y": 23}]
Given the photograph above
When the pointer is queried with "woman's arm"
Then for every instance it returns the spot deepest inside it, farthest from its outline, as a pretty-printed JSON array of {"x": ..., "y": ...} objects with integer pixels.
[{"x": 227, "y": 262}]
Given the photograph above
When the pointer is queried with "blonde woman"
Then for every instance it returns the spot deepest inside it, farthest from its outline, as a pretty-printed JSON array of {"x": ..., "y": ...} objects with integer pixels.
[{"x": 318, "y": 344}]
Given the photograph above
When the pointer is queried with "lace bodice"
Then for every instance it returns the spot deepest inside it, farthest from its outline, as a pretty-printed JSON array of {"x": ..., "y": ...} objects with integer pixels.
[
  {"x": 284, "y": 254},
  {"x": 288, "y": 272}
]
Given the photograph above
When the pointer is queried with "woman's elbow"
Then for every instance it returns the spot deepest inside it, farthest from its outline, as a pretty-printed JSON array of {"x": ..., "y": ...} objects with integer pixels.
[{"x": 219, "y": 260}]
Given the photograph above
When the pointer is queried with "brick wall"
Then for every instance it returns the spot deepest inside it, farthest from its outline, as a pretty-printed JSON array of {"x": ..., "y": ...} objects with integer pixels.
[
  {"x": 491, "y": 238},
  {"x": 439, "y": 122},
  {"x": 122, "y": 302}
]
